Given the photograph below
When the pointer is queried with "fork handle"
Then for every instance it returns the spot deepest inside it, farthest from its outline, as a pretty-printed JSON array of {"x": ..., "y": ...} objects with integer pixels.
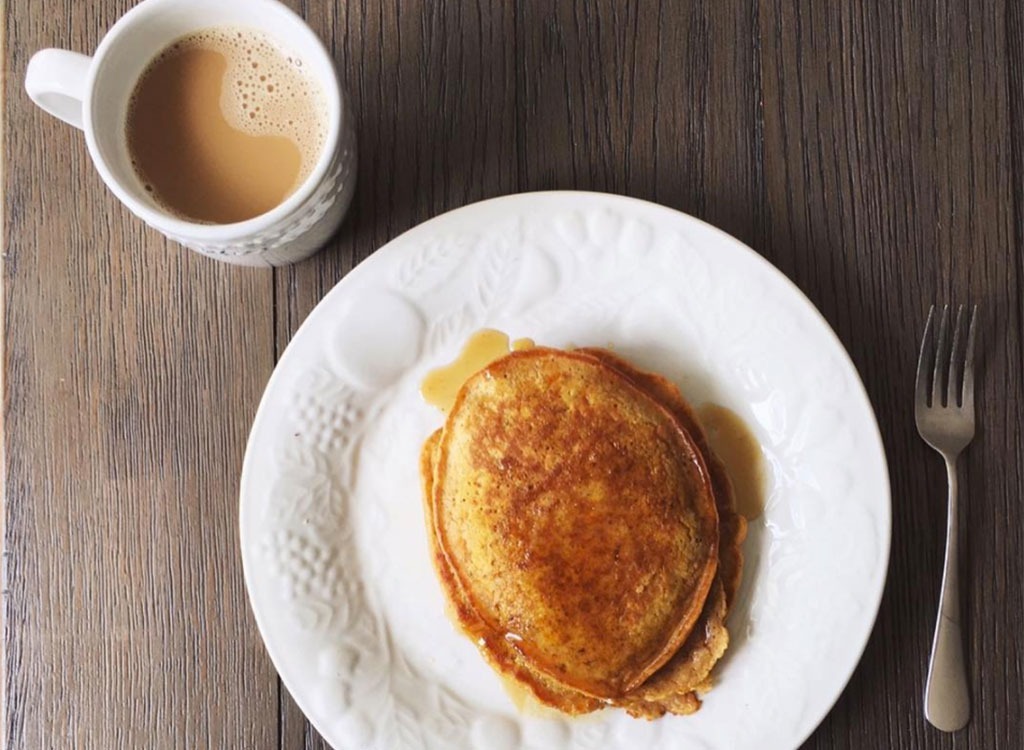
[{"x": 947, "y": 705}]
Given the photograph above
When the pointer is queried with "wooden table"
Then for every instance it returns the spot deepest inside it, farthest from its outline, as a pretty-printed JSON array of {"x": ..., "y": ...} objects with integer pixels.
[{"x": 874, "y": 152}]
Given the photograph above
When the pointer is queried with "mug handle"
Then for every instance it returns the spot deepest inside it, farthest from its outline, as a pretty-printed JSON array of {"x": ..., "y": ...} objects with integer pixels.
[{"x": 55, "y": 81}]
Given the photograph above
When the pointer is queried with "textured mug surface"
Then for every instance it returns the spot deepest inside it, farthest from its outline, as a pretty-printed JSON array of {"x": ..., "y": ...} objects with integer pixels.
[{"x": 93, "y": 93}]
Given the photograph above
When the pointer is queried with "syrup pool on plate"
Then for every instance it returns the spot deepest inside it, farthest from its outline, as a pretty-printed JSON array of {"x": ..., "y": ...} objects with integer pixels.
[
  {"x": 441, "y": 385},
  {"x": 737, "y": 448}
]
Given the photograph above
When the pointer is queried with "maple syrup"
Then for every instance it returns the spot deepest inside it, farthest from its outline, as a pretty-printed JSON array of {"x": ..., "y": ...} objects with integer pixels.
[
  {"x": 738, "y": 449},
  {"x": 441, "y": 385}
]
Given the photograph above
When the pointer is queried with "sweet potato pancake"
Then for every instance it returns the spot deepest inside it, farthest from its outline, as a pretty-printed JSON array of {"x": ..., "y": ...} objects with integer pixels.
[
  {"x": 674, "y": 687},
  {"x": 575, "y": 516}
]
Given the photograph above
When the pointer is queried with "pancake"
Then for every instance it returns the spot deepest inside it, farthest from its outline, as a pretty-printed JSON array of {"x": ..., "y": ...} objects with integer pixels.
[
  {"x": 576, "y": 521},
  {"x": 478, "y": 475},
  {"x": 498, "y": 652},
  {"x": 732, "y": 526},
  {"x": 673, "y": 688}
]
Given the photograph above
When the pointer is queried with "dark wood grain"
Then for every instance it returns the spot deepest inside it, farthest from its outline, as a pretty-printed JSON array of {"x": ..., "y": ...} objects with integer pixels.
[
  {"x": 873, "y": 152},
  {"x": 888, "y": 187},
  {"x": 125, "y": 413}
]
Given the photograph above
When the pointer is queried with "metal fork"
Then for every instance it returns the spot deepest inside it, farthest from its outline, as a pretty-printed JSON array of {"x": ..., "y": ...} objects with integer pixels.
[{"x": 944, "y": 410}]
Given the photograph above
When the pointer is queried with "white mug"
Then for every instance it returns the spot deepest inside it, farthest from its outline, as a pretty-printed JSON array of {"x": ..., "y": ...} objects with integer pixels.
[{"x": 93, "y": 94}]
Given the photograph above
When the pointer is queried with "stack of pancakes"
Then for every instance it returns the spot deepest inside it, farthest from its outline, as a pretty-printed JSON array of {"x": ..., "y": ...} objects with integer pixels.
[{"x": 584, "y": 534}]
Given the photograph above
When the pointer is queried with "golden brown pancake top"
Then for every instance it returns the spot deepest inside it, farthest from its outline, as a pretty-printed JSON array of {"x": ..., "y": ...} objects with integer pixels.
[
  {"x": 576, "y": 518},
  {"x": 732, "y": 526}
]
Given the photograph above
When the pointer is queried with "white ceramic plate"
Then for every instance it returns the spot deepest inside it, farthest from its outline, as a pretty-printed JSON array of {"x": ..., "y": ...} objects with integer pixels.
[{"x": 332, "y": 530}]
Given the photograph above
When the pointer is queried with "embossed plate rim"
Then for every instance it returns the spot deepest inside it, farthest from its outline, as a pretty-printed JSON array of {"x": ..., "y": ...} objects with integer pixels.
[{"x": 516, "y": 204}]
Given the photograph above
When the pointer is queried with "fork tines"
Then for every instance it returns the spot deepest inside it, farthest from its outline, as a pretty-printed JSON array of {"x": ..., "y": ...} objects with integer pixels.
[{"x": 945, "y": 373}]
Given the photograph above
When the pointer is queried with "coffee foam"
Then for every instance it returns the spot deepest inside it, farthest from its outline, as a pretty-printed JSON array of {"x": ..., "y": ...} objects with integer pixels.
[{"x": 265, "y": 91}]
